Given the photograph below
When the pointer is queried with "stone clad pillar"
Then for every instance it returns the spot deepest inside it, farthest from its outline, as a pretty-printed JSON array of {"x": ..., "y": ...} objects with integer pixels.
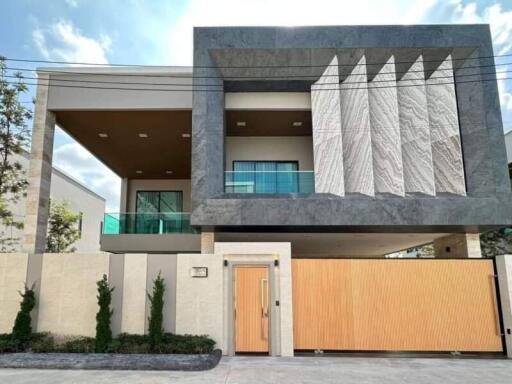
[
  {"x": 458, "y": 246},
  {"x": 444, "y": 130},
  {"x": 355, "y": 131},
  {"x": 40, "y": 172},
  {"x": 385, "y": 131},
  {"x": 327, "y": 141},
  {"x": 415, "y": 131},
  {"x": 504, "y": 269}
]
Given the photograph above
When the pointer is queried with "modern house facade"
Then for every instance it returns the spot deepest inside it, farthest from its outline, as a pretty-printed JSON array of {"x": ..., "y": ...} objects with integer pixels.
[
  {"x": 268, "y": 182},
  {"x": 82, "y": 201}
]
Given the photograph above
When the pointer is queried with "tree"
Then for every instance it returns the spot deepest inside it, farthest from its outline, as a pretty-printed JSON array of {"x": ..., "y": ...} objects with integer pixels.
[
  {"x": 62, "y": 228},
  {"x": 495, "y": 243},
  {"x": 22, "y": 324},
  {"x": 14, "y": 138},
  {"x": 156, "y": 314},
  {"x": 103, "y": 330}
]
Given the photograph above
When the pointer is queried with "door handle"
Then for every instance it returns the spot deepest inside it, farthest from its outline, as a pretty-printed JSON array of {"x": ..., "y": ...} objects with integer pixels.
[{"x": 264, "y": 306}]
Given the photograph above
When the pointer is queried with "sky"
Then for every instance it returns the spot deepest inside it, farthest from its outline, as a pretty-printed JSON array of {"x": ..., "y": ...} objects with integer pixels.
[{"x": 159, "y": 32}]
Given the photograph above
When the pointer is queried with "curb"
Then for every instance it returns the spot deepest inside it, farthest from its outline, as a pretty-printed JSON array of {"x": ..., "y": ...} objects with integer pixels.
[{"x": 111, "y": 361}]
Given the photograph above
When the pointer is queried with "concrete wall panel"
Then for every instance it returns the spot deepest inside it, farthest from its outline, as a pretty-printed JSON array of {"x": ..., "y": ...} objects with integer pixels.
[
  {"x": 67, "y": 300},
  {"x": 13, "y": 275},
  {"x": 199, "y": 307},
  {"x": 134, "y": 293},
  {"x": 166, "y": 266}
]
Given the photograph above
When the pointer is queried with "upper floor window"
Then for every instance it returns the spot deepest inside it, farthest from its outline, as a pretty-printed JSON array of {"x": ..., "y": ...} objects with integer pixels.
[
  {"x": 158, "y": 212},
  {"x": 264, "y": 177},
  {"x": 159, "y": 201}
]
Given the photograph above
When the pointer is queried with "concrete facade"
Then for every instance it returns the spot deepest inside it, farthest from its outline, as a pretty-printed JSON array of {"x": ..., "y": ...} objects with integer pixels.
[{"x": 487, "y": 203}]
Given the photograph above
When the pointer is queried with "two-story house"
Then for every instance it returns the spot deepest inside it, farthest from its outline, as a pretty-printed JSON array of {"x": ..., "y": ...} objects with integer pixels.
[{"x": 269, "y": 181}]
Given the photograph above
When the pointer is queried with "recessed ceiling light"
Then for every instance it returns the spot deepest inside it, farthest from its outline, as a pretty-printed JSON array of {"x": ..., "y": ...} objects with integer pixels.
[
  {"x": 185, "y": 135},
  {"x": 168, "y": 172},
  {"x": 138, "y": 172},
  {"x": 144, "y": 135},
  {"x": 102, "y": 135},
  {"x": 240, "y": 124},
  {"x": 297, "y": 123}
]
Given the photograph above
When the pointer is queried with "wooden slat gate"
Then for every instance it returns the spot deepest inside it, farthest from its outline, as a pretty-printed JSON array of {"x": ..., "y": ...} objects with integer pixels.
[{"x": 395, "y": 305}]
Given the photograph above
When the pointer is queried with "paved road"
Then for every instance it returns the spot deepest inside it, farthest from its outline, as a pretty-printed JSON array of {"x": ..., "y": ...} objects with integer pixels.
[{"x": 296, "y": 370}]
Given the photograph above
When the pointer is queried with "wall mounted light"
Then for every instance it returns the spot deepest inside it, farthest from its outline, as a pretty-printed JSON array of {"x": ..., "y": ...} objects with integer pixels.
[
  {"x": 103, "y": 135},
  {"x": 297, "y": 123},
  {"x": 138, "y": 172},
  {"x": 186, "y": 135},
  {"x": 241, "y": 123},
  {"x": 143, "y": 135}
]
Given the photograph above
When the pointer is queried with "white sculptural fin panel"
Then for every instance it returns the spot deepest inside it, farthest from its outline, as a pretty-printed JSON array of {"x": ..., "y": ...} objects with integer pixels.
[
  {"x": 415, "y": 131},
  {"x": 444, "y": 130},
  {"x": 327, "y": 140},
  {"x": 355, "y": 131},
  {"x": 385, "y": 131}
]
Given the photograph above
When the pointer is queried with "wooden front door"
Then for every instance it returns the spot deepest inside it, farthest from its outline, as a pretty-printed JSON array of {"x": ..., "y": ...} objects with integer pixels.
[{"x": 251, "y": 309}]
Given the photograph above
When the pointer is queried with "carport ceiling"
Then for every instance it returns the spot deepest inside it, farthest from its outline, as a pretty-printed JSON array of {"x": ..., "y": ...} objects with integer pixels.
[
  {"x": 339, "y": 244},
  {"x": 164, "y": 153}
]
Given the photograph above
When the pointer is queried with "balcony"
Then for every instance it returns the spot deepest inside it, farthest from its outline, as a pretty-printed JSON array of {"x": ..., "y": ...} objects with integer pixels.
[
  {"x": 269, "y": 182},
  {"x": 149, "y": 232}
]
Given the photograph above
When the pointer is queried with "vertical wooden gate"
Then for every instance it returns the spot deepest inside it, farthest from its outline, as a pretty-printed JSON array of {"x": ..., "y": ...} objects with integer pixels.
[{"x": 395, "y": 305}]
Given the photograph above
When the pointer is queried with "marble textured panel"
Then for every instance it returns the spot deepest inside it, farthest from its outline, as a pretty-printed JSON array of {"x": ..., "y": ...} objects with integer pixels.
[
  {"x": 385, "y": 131},
  {"x": 444, "y": 130},
  {"x": 327, "y": 141},
  {"x": 415, "y": 131},
  {"x": 355, "y": 130}
]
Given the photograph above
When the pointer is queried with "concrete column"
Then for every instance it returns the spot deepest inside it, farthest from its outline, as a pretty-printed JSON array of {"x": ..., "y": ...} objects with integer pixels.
[
  {"x": 123, "y": 201},
  {"x": 355, "y": 131},
  {"x": 504, "y": 269},
  {"x": 327, "y": 141},
  {"x": 415, "y": 131},
  {"x": 458, "y": 246},
  {"x": 207, "y": 241},
  {"x": 40, "y": 172},
  {"x": 385, "y": 131},
  {"x": 444, "y": 129}
]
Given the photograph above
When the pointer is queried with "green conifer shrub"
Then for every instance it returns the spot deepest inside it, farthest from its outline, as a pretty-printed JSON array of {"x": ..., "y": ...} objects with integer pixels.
[
  {"x": 156, "y": 314},
  {"x": 22, "y": 328},
  {"x": 103, "y": 330}
]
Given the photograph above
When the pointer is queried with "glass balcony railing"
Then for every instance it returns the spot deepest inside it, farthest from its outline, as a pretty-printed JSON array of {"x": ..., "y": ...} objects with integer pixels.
[
  {"x": 147, "y": 223},
  {"x": 269, "y": 182}
]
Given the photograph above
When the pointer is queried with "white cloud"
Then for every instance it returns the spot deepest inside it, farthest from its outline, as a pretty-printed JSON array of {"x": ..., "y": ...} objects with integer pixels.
[
  {"x": 272, "y": 12},
  {"x": 76, "y": 161},
  {"x": 72, "y": 3},
  {"x": 62, "y": 41},
  {"x": 338, "y": 12},
  {"x": 500, "y": 21}
]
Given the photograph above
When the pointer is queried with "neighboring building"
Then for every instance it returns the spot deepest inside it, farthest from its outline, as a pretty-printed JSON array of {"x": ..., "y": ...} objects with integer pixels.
[
  {"x": 508, "y": 145},
  {"x": 269, "y": 194},
  {"x": 81, "y": 199}
]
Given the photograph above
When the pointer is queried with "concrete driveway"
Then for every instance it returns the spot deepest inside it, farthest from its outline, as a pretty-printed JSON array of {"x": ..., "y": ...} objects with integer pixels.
[{"x": 294, "y": 370}]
